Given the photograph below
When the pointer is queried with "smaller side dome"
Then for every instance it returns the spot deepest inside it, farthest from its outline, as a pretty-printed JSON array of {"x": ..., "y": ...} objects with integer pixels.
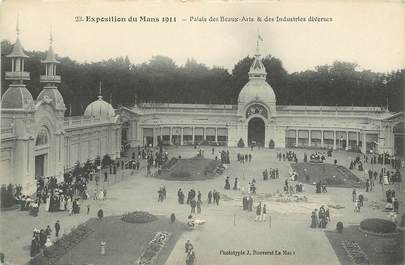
[
  {"x": 53, "y": 97},
  {"x": 100, "y": 109},
  {"x": 17, "y": 97}
]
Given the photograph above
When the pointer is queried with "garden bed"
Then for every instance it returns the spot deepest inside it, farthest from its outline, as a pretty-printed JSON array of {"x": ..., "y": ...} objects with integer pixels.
[
  {"x": 378, "y": 250},
  {"x": 125, "y": 242},
  {"x": 192, "y": 169},
  {"x": 331, "y": 175}
]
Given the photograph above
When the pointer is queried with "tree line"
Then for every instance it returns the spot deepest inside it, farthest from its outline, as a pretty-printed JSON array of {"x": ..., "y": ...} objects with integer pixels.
[{"x": 161, "y": 80}]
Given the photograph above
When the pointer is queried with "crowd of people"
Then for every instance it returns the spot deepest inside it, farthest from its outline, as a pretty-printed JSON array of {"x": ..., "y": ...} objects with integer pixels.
[
  {"x": 41, "y": 238},
  {"x": 223, "y": 156},
  {"x": 271, "y": 173},
  {"x": 261, "y": 212},
  {"x": 242, "y": 158},
  {"x": 289, "y": 156},
  {"x": 214, "y": 197},
  {"x": 320, "y": 187},
  {"x": 356, "y": 163},
  {"x": 320, "y": 219},
  {"x": 194, "y": 199},
  {"x": 247, "y": 203},
  {"x": 67, "y": 195},
  {"x": 385, "y": 159},
  {"x": 291, "y": 186},
  {"x": 315, "y": 157}
]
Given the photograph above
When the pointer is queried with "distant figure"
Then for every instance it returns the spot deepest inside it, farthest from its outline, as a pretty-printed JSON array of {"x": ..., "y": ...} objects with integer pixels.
[
  {"x": 57, "y": 228},
  {"x": 100, "y": 214},
  {"x": 172, "y": 218},
  {"x": 227, "y": 184},
  {"x": 188, "y": 246},
  {"x": 190, "y": 257},
  {"x": 235, "y": 184}
]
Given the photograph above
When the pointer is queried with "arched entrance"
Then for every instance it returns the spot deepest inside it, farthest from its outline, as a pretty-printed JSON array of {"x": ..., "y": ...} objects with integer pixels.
[
  {"x": 256, "y": 132},
  {"x": 399, "y": 139},
  {"x": 41, "y": 152}
]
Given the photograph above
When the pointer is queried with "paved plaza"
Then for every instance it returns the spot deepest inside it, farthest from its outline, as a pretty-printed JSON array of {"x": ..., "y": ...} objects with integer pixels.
[{"x": 227, "y": 227}]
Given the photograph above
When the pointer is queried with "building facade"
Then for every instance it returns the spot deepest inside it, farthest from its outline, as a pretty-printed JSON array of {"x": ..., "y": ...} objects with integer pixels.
[
  {"x": 258, "y": 120},
  {"x": 36, "y": 139}
]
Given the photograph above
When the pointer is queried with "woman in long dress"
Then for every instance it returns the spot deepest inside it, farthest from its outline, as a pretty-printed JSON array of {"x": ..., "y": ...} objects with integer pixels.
[
  {"x": 61, "y": 203},
  {"x": 313, "y": 220},
  {"x": 48, "y": 202},
  {"x": 69, "y": 206}
]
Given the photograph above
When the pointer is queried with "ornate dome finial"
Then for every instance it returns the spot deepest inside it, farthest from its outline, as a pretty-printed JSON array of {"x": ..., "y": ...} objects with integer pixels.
[
  {"x": 259, "y": 38},
  {"x": 257, "y": 69},
  {"x": 99, "y": 90},
  {"x": 50, "y": 37},
  {"x": 17, "y": 28}
]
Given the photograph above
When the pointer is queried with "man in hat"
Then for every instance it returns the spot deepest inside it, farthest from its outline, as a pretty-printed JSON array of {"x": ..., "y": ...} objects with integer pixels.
[
  {"x": 188, "y": 246},
  {"x": 57, "y": 228}
]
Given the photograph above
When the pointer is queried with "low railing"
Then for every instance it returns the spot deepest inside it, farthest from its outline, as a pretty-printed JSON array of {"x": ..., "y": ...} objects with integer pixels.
[
  {"x": 79, "y": 121},
  {"x": 50, "y": 78},
  {"x": 17, "y": 76}
]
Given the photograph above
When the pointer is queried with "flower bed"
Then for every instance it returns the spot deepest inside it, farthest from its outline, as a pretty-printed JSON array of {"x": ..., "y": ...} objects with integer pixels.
[
  {"x": 154, "y": 247},
  {"x": 61, "y": 247},
  {"x": 138, "y": 217}
]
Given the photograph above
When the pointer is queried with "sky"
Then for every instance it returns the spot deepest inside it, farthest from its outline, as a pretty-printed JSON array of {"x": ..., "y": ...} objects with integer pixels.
[{"x": 371, "y": 34}]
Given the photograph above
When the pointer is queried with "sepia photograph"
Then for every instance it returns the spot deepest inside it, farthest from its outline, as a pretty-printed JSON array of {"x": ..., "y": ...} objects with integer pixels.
[{"x": 192, "y": 132}]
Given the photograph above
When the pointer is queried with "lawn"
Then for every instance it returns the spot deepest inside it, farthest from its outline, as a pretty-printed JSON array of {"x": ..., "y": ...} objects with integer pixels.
[
  {"x": 191, "y": 169},
  {"x": 379, "y": 250},
  {"x": 125, "y": 242},
  {"x": 331, "y": 175}
]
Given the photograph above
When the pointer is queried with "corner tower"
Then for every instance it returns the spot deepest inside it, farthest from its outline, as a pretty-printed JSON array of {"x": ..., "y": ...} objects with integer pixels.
[
  {"x": 17, "y": 95},
  {"x": 50, "y": 93}
]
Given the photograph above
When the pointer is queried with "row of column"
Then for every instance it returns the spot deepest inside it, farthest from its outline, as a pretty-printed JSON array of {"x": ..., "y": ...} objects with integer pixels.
[
  {"x": 337, "y": 142},
  {"x": 179, "y": 131}
]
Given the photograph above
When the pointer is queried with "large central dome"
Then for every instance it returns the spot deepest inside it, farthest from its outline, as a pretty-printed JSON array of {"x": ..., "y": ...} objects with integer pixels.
[{"x": 257, "y": 89}]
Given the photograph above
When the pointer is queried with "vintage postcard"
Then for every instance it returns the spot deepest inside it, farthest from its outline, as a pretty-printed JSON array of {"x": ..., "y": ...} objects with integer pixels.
[{"x": 202, "y": 132}]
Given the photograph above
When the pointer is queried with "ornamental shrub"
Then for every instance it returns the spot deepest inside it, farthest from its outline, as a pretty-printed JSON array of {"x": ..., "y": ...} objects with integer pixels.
[
  {"x": 339, "y": 227},
  {"x": 241, "y": 143}
]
